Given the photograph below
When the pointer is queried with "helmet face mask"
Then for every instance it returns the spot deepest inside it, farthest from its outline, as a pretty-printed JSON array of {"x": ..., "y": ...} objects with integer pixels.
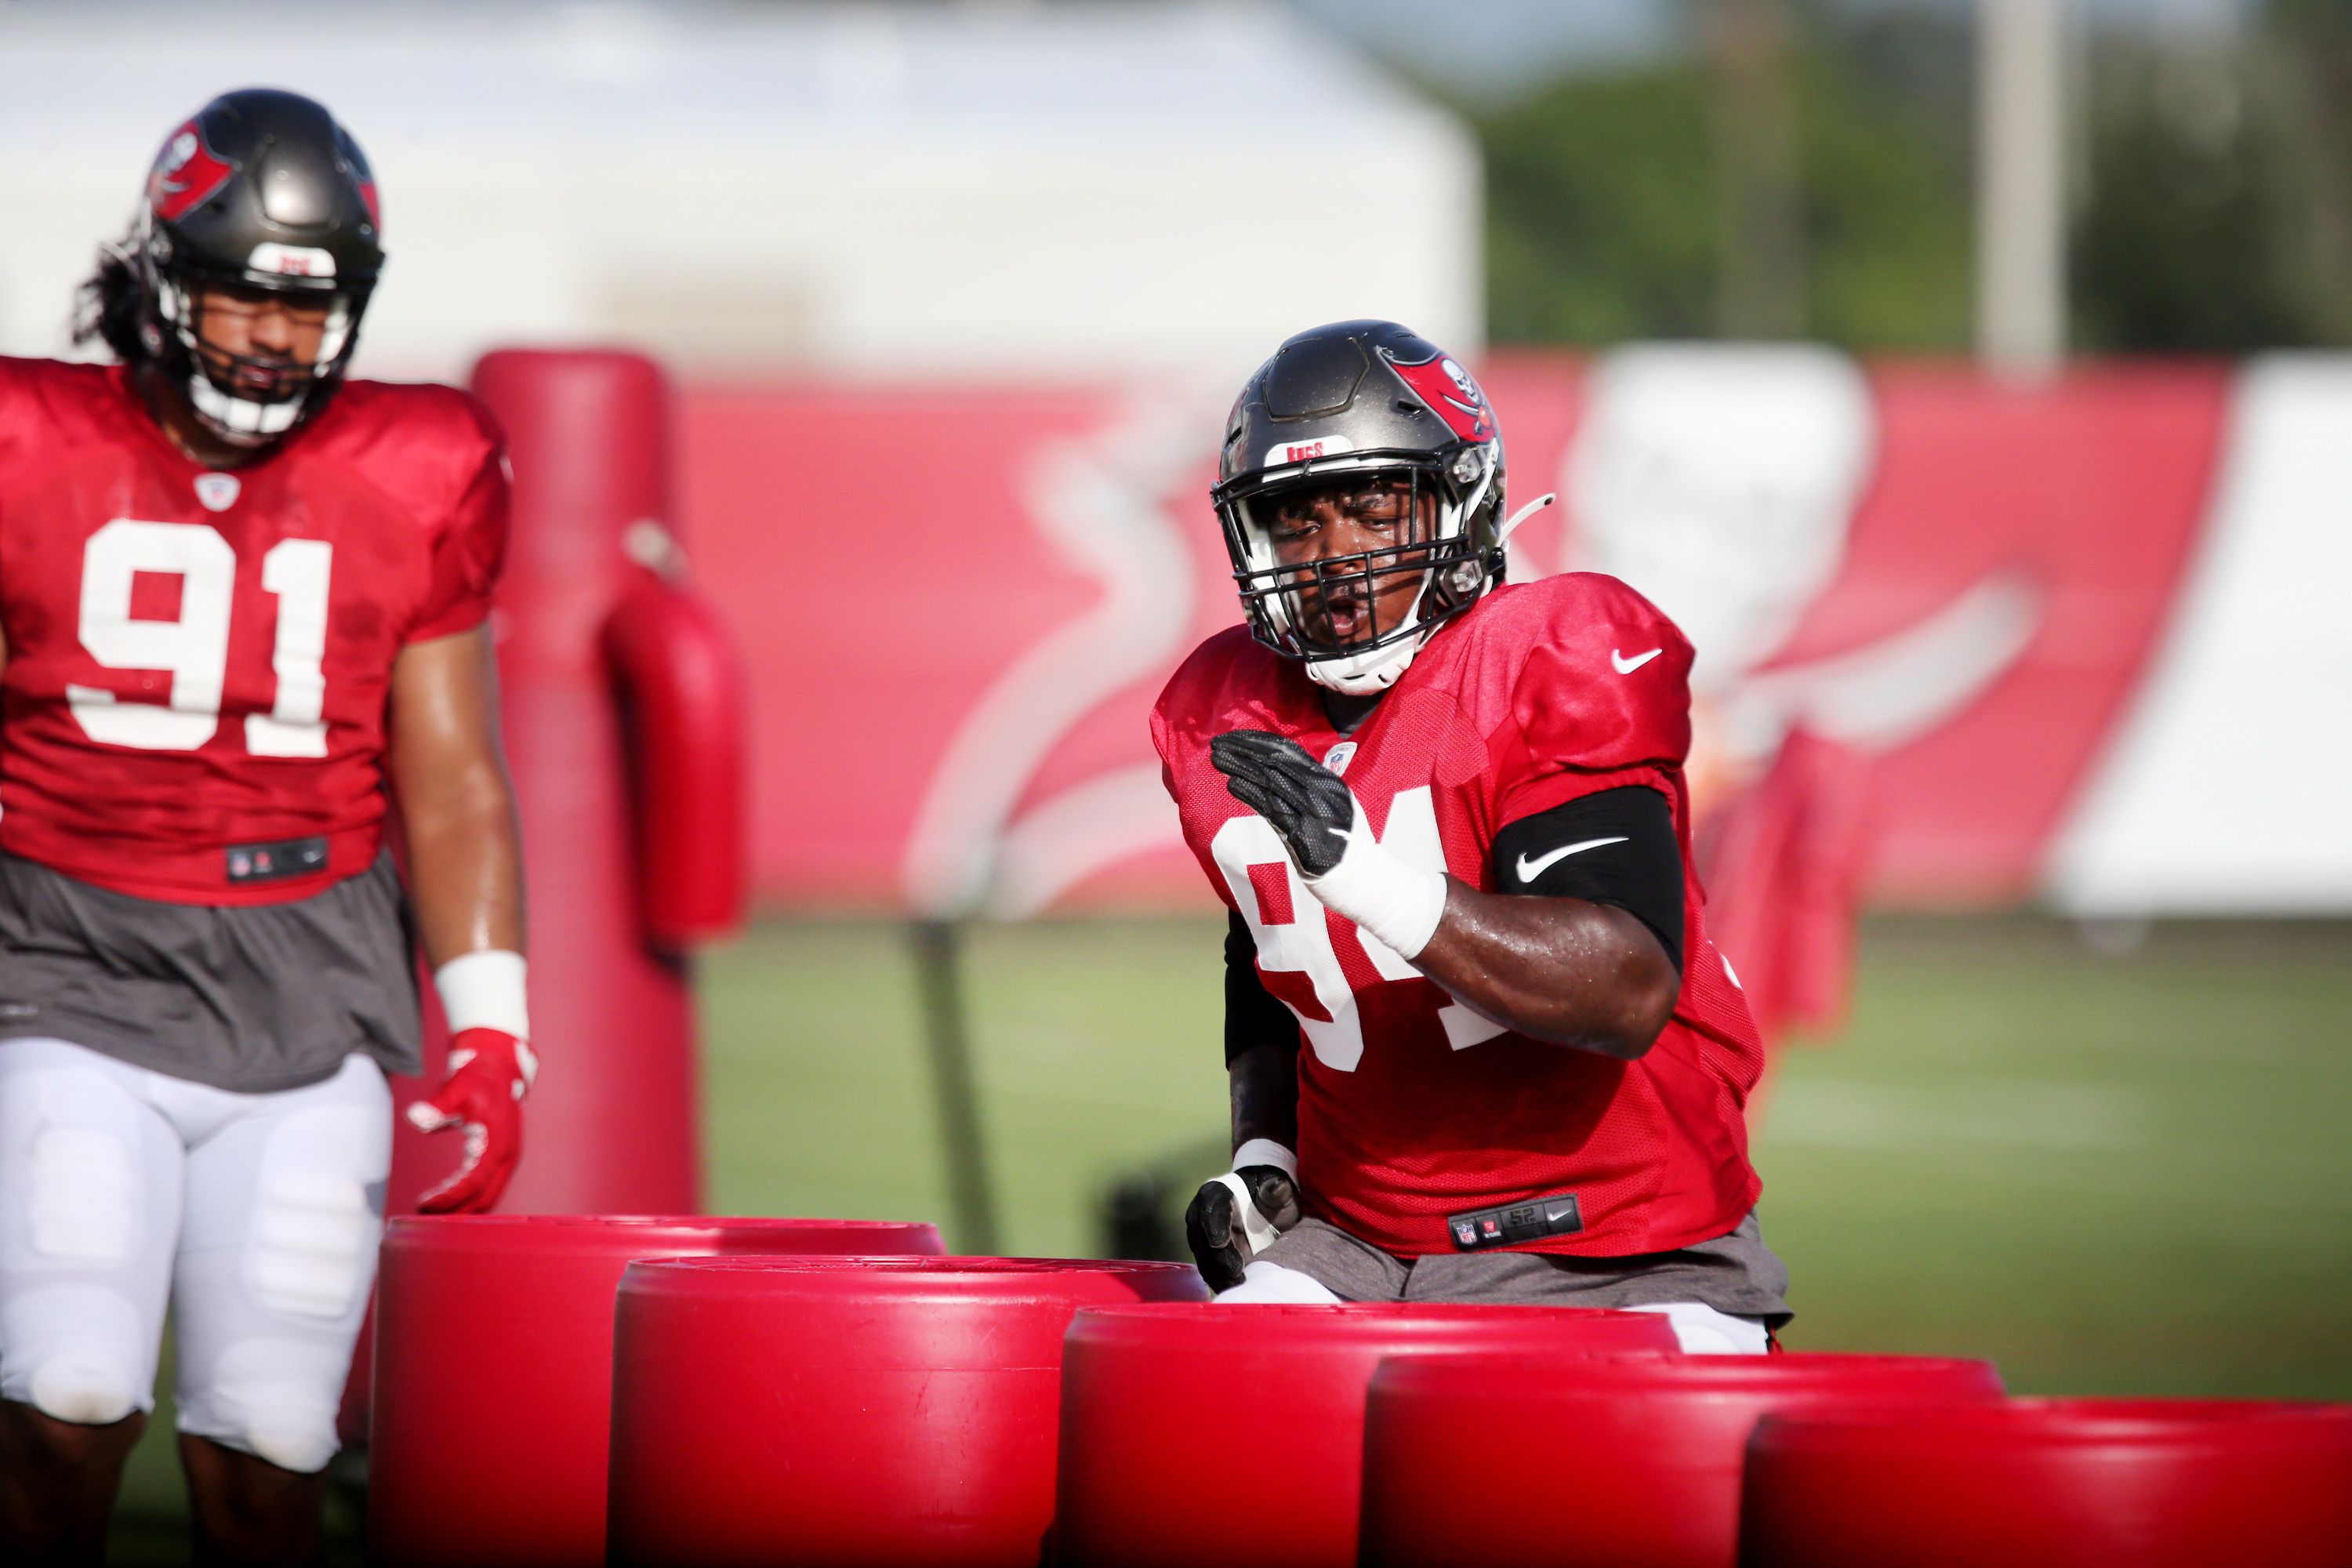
[
  {"x": 1331, "y": 610},
  {"x": 260, "y": 197},
  {"x": 247, "y": 399},
  {"x": 1360, "y": 406}
]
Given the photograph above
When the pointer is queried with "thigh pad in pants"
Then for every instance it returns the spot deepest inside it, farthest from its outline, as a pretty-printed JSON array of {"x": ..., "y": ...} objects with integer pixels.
[
  {"x": 278, "y": 1248},
  {"x": 89, "y": 1208}
]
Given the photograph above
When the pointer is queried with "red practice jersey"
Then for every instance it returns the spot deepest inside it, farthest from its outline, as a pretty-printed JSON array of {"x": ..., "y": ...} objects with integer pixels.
[
  {"x": 1411, "y": 1106},
  {"x": 198, "y": 662}
]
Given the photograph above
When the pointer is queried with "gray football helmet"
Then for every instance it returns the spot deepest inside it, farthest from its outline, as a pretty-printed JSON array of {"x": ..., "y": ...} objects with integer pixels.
[
  {"x": 1371, "y": 399},
  {"x": 260, "y": 190}
]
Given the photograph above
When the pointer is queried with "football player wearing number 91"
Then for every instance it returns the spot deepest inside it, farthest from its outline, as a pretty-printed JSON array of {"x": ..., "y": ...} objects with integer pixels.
[
  {"x": 243, "y": 602},
  {"x": 1480, "y": 1048}
]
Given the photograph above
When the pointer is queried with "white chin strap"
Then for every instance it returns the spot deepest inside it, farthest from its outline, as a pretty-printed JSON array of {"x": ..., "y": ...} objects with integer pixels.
[
  {"x": 1375, "y": 669},
  {"x": 1362, "y": 674}
]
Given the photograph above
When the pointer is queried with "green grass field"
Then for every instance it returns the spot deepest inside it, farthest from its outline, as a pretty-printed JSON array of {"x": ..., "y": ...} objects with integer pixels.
[{"x": 2109, "y": 1172}]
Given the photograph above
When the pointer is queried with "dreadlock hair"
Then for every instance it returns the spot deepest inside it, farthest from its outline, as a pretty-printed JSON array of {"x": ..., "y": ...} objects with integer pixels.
[{"x": 109, "y": 305}]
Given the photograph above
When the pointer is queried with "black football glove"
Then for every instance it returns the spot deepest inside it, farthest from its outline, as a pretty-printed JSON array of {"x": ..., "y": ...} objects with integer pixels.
[
  {"x": 1226, "y": 1228},
  {"x": 1309, "y": 806}
]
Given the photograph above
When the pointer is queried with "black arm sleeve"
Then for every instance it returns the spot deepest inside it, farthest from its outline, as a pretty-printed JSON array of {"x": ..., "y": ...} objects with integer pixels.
[
  {"x": 1253, "y": 1016},
  {"x": 1618, "y": 847}
]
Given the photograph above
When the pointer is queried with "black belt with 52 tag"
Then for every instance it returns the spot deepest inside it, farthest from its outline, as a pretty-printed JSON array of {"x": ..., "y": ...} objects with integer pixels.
[{"x": 1512, "y": 1223}]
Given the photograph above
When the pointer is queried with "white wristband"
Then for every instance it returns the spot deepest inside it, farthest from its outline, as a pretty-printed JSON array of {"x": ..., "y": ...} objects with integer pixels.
[
  {"x": 485, "y": 990},
  {"x": 1266, "y": 1152},
  {"x": 1397, "y": 903}
]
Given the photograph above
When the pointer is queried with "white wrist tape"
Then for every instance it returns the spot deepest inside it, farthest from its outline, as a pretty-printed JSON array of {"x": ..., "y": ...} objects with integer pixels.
[
  {"x": 1257, "y": 1152},
  {"x": 485, "y": 990},
  {"x": 1397, "y": 903},
  {"x": 1257, "y": 1228},
  {"x": 1266, "y": 1152}
]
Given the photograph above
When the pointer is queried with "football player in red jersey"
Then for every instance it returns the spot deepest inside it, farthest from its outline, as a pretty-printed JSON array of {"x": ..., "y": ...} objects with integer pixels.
[
  {"x": 1479, "y": 1045},
  {"x": 243, "y": 606}
]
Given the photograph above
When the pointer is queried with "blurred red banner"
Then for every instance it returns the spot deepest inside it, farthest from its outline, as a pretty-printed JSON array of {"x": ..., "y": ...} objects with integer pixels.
[{"x": 957, "y": 604}]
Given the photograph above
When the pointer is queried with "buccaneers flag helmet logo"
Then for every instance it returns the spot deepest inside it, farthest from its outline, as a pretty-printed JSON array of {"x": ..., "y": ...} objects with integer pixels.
[
  {"x": 1451, "y": 394},
  {"x": 187, "y": 174}
]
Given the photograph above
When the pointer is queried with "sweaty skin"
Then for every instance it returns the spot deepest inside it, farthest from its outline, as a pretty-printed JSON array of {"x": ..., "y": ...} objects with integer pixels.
[
  {"x": 456, "y": 803},
  {"x": 449, "y": 785},
  {"x": 1316, "y": 523},
  {"x": 1570, "y": 973}
]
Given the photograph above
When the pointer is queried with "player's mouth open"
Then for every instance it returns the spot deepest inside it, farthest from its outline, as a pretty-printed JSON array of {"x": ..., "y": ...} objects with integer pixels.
[
  {"x": 263, "y": 380},
  {"x": 1346, "y": 616}
]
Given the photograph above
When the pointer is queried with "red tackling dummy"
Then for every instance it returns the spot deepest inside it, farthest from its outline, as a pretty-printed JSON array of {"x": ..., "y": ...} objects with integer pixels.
[
  {"x": 488, "y": 1443},
  {"x": 1641, "y": 1452},
  {"x": 2052, "y": 1483},
  {"x": 888, "y": 1411},
  {"x": 1235, "y": 1436}
]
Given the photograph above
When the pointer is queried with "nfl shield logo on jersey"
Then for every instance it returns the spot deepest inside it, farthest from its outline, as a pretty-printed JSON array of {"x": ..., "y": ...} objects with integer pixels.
[{"x": 217, "y": 491}]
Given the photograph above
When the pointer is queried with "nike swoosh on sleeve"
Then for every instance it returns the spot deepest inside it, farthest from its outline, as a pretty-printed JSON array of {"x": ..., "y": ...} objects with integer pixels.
[
  {"x": 1628, "y": 666},
  {"x": 1530, "y": 869}
]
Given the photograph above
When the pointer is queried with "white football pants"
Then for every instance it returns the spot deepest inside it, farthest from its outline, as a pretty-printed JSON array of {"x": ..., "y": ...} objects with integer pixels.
[
  {"x": 257, "y": 1214},
  {"x": 1702, "y": 1330}
]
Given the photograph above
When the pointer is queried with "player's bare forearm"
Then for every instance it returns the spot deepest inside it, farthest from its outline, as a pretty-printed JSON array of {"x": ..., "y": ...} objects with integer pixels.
[
  {"x": 455, "y": 802},
  {"x": 1586, "y": 975},
  {"x": 465, "y": 869},
  {"x": 1263, "y": 1082}
]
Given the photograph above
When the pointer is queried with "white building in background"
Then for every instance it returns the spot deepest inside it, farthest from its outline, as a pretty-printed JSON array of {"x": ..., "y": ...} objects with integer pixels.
[{"x": 869, "y": 189}]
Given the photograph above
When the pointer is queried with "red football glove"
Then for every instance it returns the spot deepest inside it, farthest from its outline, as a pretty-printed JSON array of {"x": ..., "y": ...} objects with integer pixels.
[{"x": 490, "y": 1070}]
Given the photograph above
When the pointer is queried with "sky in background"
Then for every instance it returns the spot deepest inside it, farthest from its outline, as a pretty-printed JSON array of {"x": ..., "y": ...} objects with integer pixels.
[{"x": 1492, "y": 49}]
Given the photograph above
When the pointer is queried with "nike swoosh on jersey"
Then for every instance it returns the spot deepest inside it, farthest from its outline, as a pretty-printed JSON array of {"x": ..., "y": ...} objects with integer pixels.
[
  {"x": 1530, "y": 869},
  {"x": 1551, "y": 1215},
  {"x": 1628, "y": 666}
]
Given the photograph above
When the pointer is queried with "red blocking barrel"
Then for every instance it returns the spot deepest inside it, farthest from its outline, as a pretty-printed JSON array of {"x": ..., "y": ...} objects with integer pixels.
[
  {"x": 494, "y": 1370},
  {"x": 1642, "y": 1453},
  {"x": 898, "y": 1411},
  {"x": 2044, "y": 1483},
  {"x": 1236, "y": 1435}
]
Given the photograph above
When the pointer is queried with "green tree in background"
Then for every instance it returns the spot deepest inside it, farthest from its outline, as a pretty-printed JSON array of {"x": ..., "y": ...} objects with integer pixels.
[
  {"x": 2215, "y": 218},
  {"x": 2211, "y": 182},
  {"x": 1603, "y": 198},
  {"x": 1600, "y": 212}
]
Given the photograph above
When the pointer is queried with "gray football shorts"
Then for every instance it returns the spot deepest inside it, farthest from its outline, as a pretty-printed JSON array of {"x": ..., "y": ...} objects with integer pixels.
[
  {"x": 1734, "y": 1274},
  {"x": 252, "y": 998}
]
